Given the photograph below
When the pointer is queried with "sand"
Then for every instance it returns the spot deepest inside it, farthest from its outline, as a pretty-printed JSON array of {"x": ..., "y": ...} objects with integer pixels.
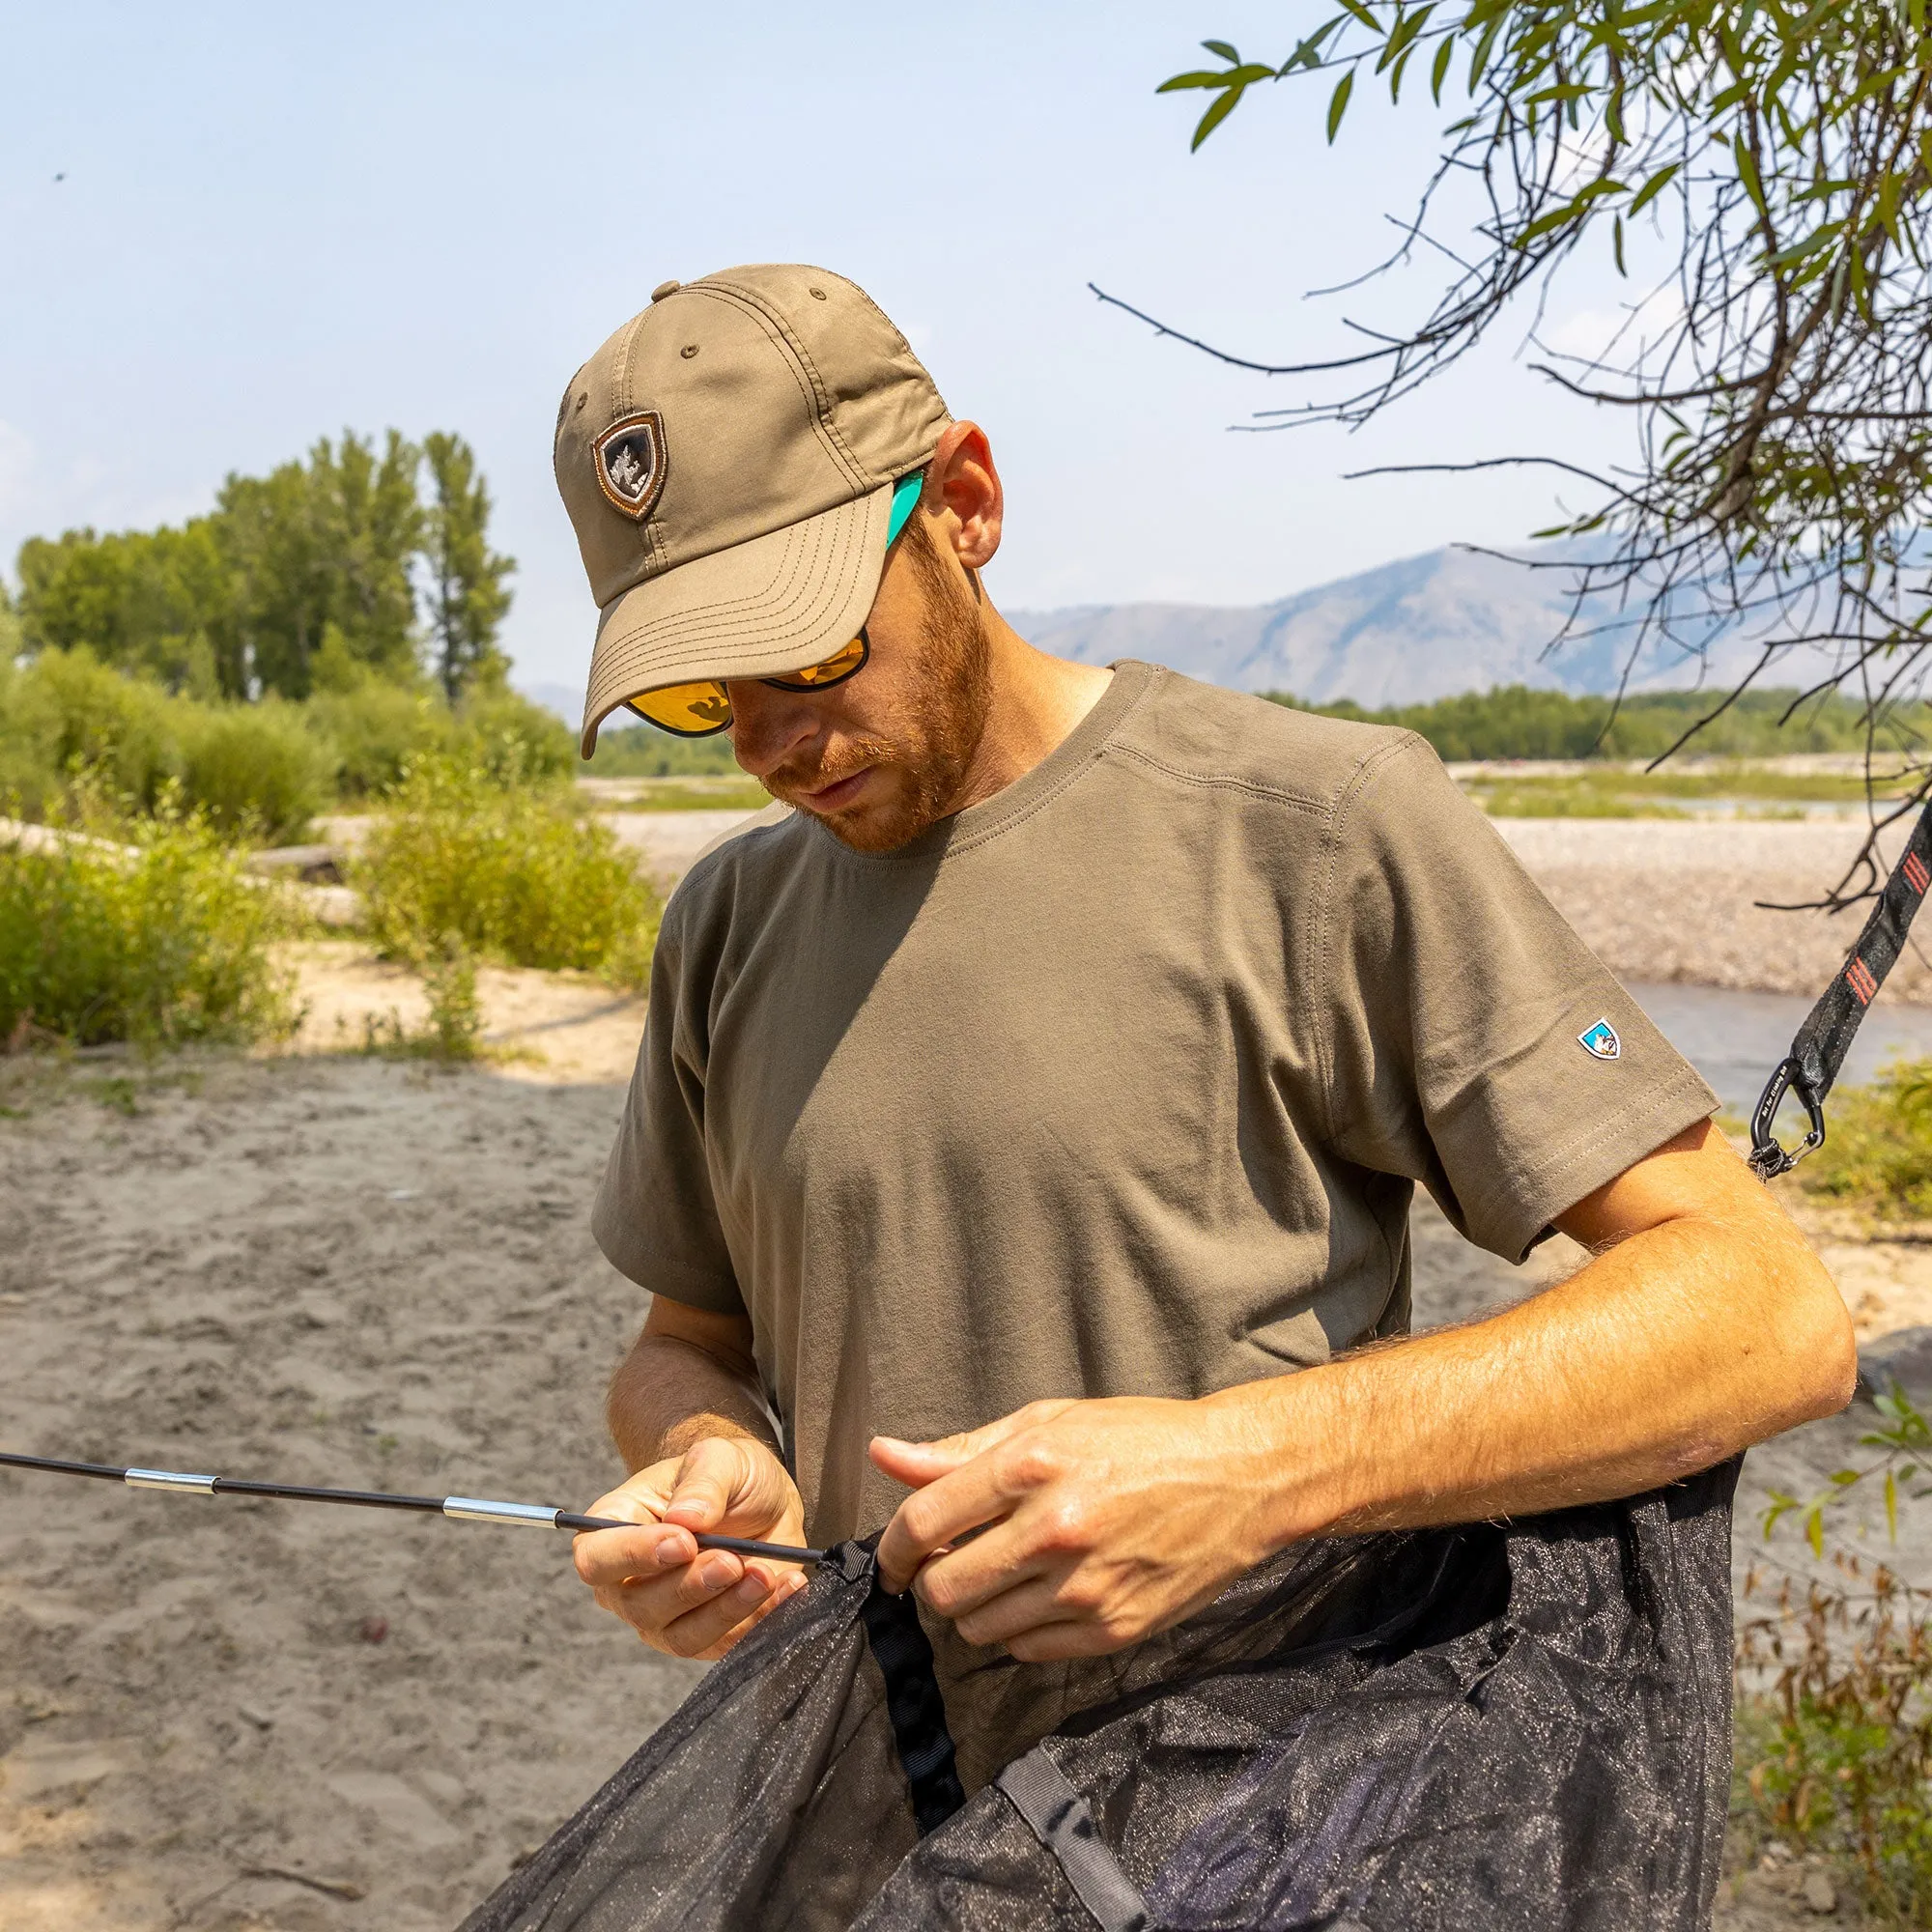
[
  {"x": 347, "y": 1271},
  {"x": 218, "y": 1714},
  {"x": 1667, "y": 899}
]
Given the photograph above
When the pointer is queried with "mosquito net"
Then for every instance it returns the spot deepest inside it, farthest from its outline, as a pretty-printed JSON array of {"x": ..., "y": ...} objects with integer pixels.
[{"x": 1497, "y": 1725}]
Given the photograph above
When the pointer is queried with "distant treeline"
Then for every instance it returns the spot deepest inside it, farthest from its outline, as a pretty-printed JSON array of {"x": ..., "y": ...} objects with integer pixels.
[
  {"x": 1515, "y": 721},
  {"x": 639, "y": 752},
  {"x": 327, "y": 569}
]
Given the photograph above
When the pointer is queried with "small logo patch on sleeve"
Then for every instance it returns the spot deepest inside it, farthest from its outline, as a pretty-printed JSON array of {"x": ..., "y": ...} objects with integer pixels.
[{"x": 1601, "y": 1041}]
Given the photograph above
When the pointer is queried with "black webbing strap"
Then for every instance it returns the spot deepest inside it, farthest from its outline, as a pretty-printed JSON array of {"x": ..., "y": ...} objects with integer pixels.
[
  {"x": 1825, "y": 1038},
  {"x": 1062, "y": 1820},
  {"x": 914, "y": 1706}
]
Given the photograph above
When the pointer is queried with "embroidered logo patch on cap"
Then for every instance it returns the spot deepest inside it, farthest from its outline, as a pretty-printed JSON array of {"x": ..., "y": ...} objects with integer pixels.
[
  {"x": 630, "y": 457},
  {"x": 1602, "y": 1040}
]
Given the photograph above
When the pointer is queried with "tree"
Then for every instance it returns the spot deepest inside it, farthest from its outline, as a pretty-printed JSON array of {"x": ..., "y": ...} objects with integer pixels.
[
  {"x": 1763, "y": 173},
  {"x": 154, "y": 601},
  {"x": 328, "y": 543},
  {"x": 322, "y": 552},
  {"x": 467, "y": 599}
]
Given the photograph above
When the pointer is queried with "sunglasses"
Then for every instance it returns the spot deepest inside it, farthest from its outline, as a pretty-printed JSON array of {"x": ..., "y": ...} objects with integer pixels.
[{"x": 703, "y": 709}]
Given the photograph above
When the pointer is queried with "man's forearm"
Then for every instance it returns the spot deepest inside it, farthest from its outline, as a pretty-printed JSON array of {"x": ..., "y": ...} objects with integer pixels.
[
  {"x": 1678, "y": 1348},
  {"x": 669, "y": 1393}
]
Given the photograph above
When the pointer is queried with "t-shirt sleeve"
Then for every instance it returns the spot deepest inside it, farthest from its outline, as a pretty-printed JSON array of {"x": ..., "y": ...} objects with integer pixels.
[
  {"x": 1472, "y": 1041},
  {"x": 656, "y": 1217}
]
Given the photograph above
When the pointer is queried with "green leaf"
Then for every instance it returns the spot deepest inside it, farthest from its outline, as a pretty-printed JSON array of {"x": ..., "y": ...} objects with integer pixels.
[
  {"x": 1309, "y": 53},
  {"x": 1892, "y": 1505},
  {"x": 1653, "y": 187},
  {"x": 1479, "y": 61},
  {"x": 1338, "y": 103},
  {"x": 1406, "y": 27},
  {"x": 1199, "y": 78},
  {"x": 1217, "y": 112},
  {"x": 1546, "y": 224},
  {"x": 1819, "y": 240},
  {"x": 1814, "y": 1529},
  {"x": 1440, "y": 70},
  {"x": 1363, "y": 14},
  {"x": 1844, "y": 1478},
  {"x": 1617, "y": 244},
  {"x": 1748, "y": 173},
  {"x": 1226, "y": 52}
]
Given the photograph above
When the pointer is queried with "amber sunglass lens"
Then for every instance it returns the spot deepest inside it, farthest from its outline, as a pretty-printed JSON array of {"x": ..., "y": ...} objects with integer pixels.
[
  {"x": 843, "y": 662},
  {"x": 689, "y": 710}
]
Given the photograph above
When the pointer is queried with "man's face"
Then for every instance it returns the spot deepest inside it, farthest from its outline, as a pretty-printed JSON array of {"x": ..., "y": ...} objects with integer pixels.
[{"x": 883, "y": 755}]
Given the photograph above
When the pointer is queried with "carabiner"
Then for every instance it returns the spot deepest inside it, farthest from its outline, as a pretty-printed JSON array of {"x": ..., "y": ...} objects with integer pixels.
[{"x": 1768, "y": 1160}]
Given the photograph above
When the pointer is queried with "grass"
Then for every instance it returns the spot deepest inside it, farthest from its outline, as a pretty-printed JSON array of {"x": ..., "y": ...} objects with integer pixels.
[
  {"x": 1514, "y": 721},
  {"x": 160, "y": 940},
  {"x": 1610, "y": 791},
  {"x": 1835, "y": 1757},
  {"x": 504, "y": 872},
  {"x": 692, "y": 794},
  {"x": 1878, "y": 1146},
  {"x": 454, "y": 1031}
]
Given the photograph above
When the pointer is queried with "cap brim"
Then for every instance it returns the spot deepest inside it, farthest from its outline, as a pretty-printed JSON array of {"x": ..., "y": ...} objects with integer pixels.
[{"x": 760, "y": 608}]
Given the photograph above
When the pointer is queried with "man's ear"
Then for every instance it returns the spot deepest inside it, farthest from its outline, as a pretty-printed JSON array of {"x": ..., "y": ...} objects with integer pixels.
[{"x": 963, "y": 494}]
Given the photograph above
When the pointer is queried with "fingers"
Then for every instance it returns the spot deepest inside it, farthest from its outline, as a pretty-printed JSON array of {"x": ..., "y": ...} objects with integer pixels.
[
  {"x": 710, "y": 1630},
  {"x": 607, "y": 1556},
  {"x": 942, "y": 1513},
  {"x": 701, "y": 1608},
  {"x": 917, "y": 1464},
  {"x": 678, "y": 1599}
]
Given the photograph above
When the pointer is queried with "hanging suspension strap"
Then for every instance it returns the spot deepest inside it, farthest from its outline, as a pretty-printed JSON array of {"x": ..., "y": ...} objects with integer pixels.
[{"x": 1819, "y": 1050}]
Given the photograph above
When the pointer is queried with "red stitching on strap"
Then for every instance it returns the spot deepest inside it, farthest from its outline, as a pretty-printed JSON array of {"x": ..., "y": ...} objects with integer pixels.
[
  {"x": 1915, "y": 874},
  {"x": 1859, "y": 977}
]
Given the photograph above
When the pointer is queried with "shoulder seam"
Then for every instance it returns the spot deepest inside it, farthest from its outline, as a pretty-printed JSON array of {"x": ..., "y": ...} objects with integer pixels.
[
  {"x": 1320, "y": 940},
  {"x": 1224, "y": 781}
]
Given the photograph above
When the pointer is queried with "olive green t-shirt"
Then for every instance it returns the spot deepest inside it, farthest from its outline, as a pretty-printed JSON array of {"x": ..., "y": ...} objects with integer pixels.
[{"x": 1119, "y": 1083}]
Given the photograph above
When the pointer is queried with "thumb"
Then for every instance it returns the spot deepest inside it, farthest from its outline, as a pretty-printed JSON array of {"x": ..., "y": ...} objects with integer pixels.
[{"x": 707, "y": 1480}]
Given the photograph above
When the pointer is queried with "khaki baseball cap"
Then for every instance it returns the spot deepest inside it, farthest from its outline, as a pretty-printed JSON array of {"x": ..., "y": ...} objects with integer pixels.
[{"x": 727, "y": 459}]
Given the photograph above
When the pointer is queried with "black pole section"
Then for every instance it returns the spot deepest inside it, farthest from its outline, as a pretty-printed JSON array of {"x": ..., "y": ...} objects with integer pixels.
[{"x": 465, "y": 1509}]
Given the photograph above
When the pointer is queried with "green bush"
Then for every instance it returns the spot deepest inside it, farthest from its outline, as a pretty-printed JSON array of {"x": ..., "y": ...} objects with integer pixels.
[
  {"x": 1838, "y": 1757},
  {"x": 372, "y": 732},
  {"x": 80, "y": 716},
  {"x": 514, "y": 741},
  {"x": 161, "y": 942},
  {"x": 1878, "y": 1148},
  {"x": 513, "y": 874},
  {"x": 255, "y": 771}
]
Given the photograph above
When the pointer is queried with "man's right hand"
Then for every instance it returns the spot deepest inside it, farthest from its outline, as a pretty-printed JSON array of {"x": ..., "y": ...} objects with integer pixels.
[{"x": 679, "y": 1599}]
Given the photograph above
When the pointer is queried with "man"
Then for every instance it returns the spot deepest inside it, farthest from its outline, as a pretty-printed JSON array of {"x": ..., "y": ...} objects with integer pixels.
[{"x": 1021, "y": 1147}]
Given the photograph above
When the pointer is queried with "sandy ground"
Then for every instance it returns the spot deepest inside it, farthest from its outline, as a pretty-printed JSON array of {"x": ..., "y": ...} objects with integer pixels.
[
  {"x": 337, "y": 1268},
  {"x": 1667, "y": 899},
  {"x": 218, "y": 1714}
]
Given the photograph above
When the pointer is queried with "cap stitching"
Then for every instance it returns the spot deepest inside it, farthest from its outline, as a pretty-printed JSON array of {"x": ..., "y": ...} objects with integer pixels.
[
  {"x": 821, "y": 416},
  {"x": 792, "y": 561},
  {"x": 802, "y": 602}
]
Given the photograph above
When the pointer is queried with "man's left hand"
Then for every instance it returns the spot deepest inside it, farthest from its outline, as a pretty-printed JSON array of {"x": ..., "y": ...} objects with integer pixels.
[{"x": 1100, "y": 1522}]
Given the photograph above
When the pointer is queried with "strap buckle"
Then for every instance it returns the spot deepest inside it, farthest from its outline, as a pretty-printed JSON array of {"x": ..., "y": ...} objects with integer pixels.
[{"x": 1768, "y": 1160}]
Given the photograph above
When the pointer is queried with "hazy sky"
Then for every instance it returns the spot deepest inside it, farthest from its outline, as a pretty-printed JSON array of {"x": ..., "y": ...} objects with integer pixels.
[{"x": 276, "y": 222}]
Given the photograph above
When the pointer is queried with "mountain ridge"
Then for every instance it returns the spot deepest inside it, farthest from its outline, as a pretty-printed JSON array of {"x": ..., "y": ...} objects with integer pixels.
[{"x": 1433, "y": 625}]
